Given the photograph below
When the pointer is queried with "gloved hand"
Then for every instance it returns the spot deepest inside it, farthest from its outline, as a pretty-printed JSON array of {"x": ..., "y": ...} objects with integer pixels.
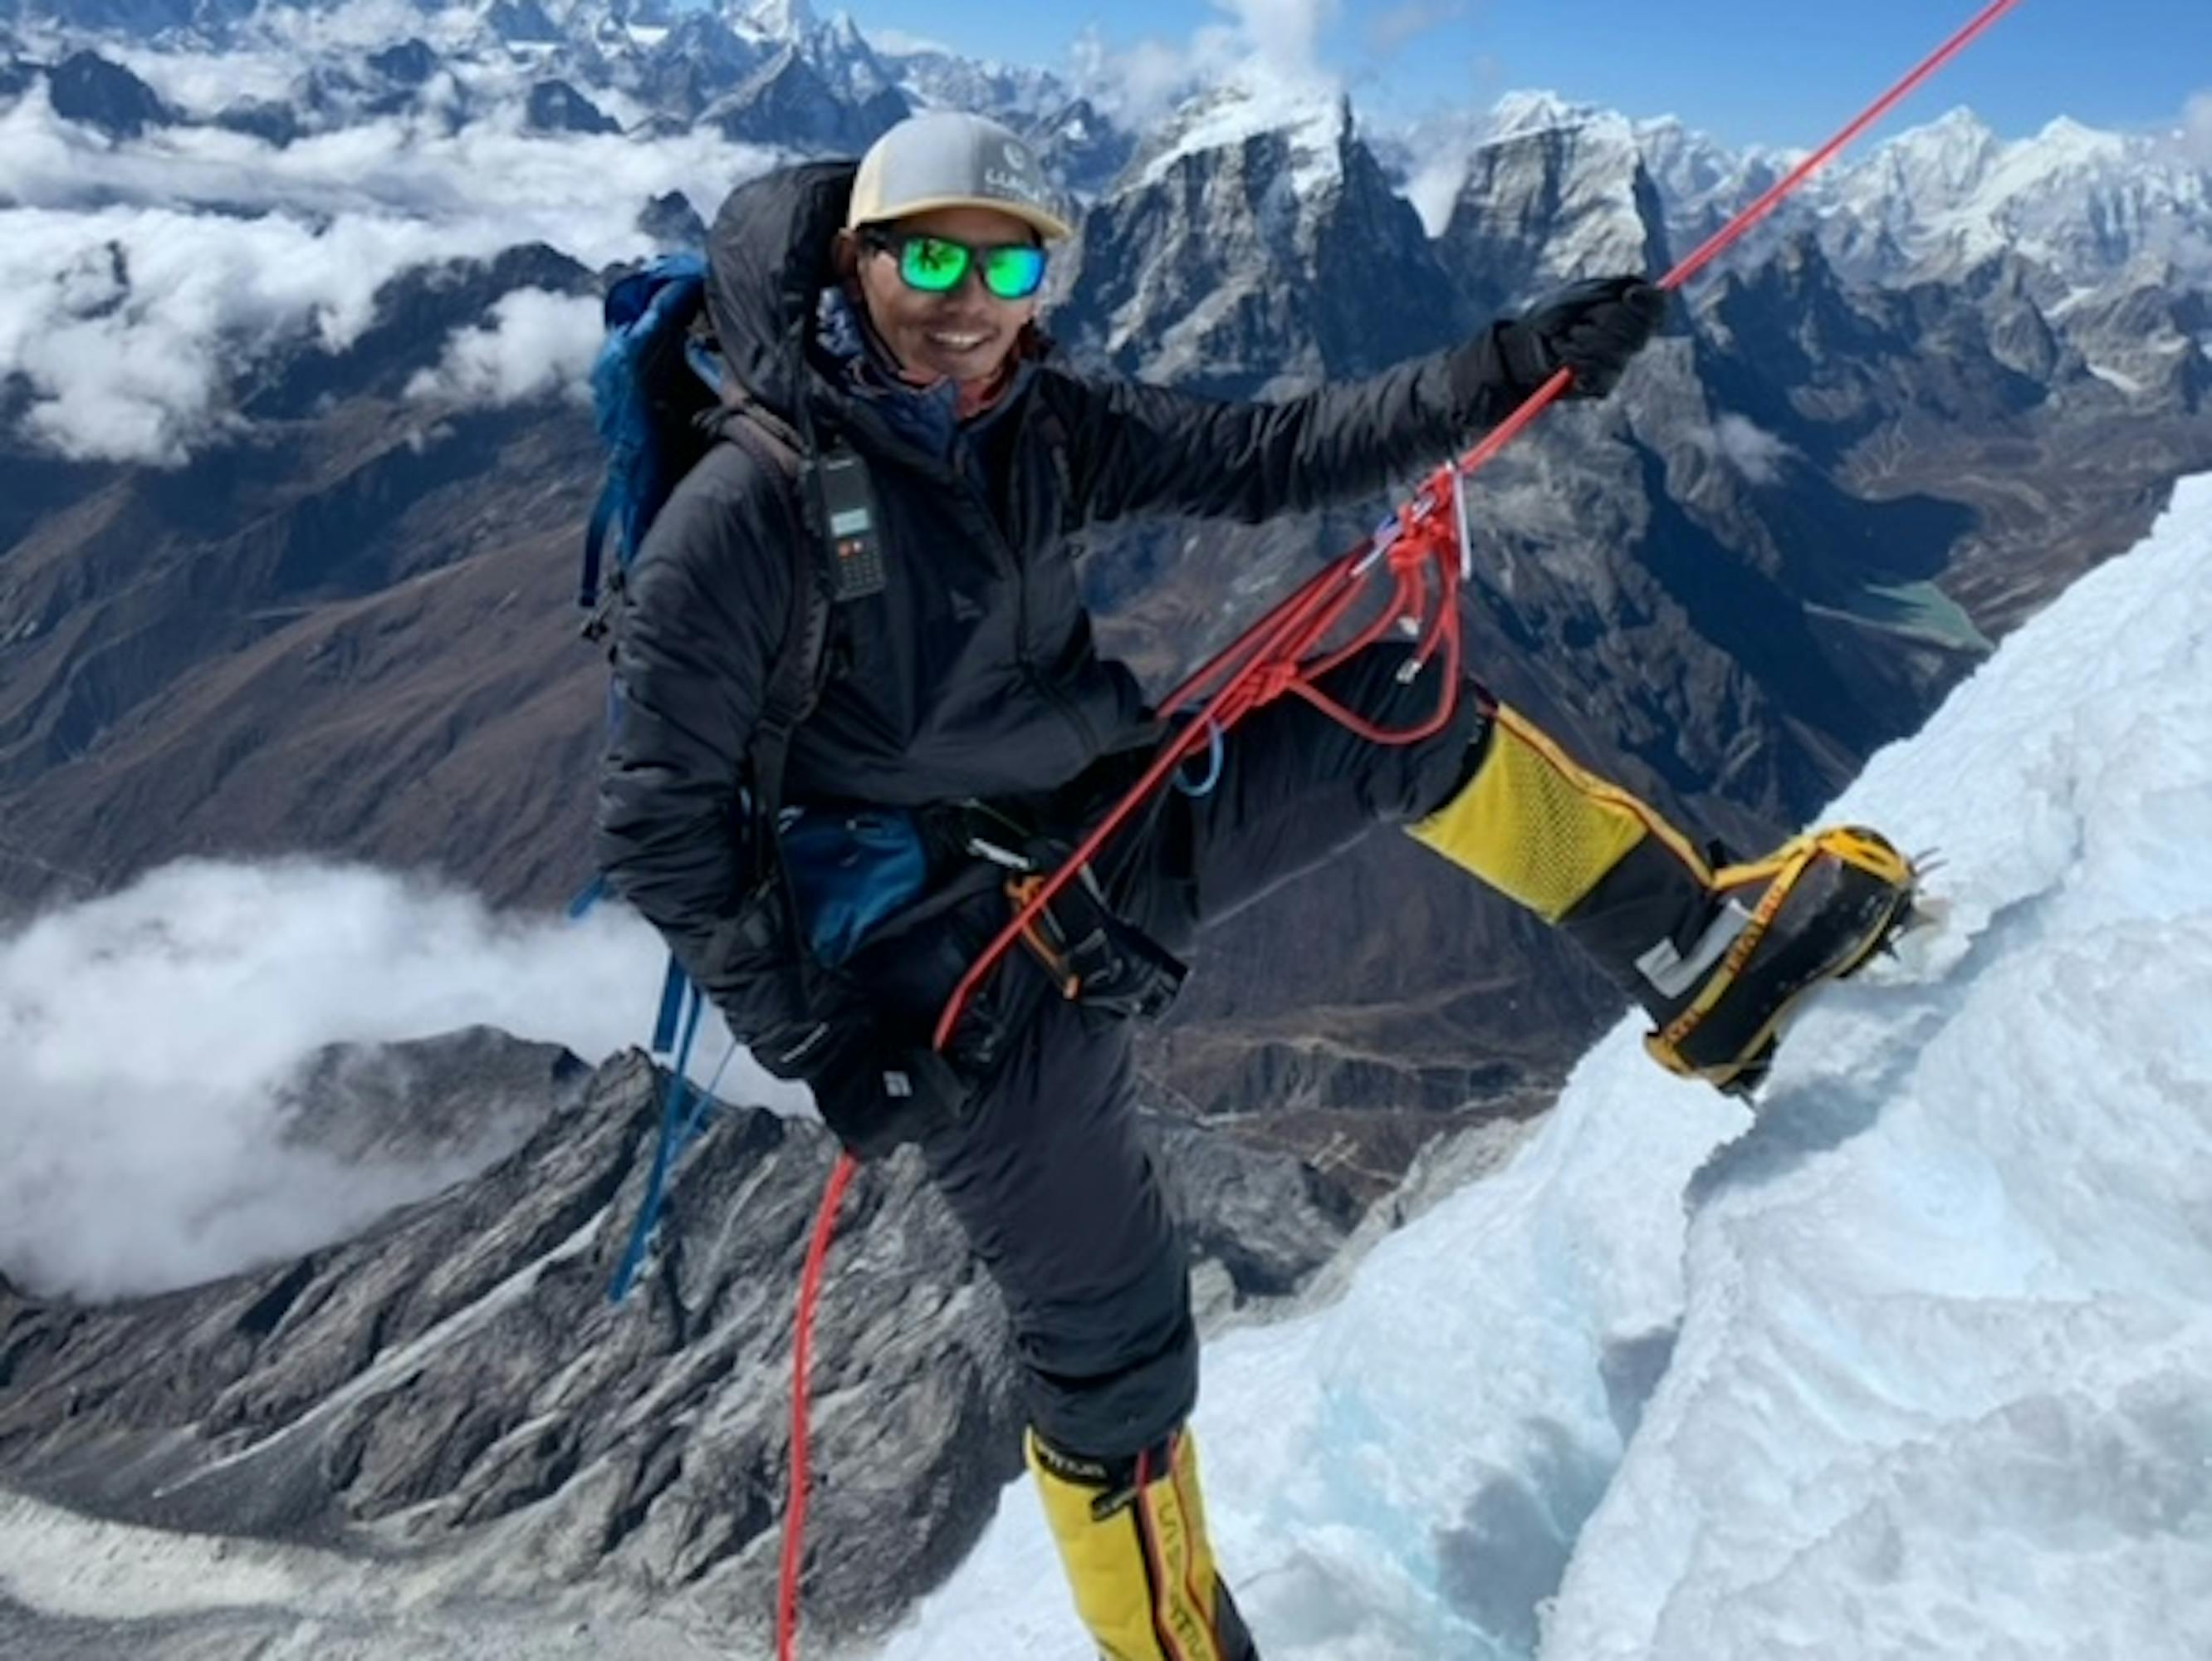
[
  {"x": 1592, "y": 327},
  {"x": 876, "y": 1097}
]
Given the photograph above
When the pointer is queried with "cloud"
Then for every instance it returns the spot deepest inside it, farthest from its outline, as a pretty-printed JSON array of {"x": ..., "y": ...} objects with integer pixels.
[
  {"x": 1140, "y": 83},
  {"x": 1267, "y": 42},
  {"x": 1756, "y": 453},
  {"x": 1438, "y": 175},
  {"x": 139, "y": 280},
  {"x": 146, "y": 1039},
  {"x": 129, "y": 323},
  {"x": 900, "y": 43},
  {"x": 1285, "y": 35},
  {"x": 2197, "y": 129},
  {"x": 538, "y": 344}
]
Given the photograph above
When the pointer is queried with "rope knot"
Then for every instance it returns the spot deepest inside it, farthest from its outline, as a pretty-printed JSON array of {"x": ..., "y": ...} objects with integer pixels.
[
  {"x": 1422, "y": 542},
  {"x": 1275, "y": 678}
]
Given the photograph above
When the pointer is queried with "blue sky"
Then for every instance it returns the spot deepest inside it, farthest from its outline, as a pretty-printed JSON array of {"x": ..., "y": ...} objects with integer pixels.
[{"x": 1745, "y": 70}]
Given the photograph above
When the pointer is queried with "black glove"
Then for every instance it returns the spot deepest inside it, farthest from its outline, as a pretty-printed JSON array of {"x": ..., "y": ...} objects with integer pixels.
[
  {"x": 876, "y": 1097},
  {"x": 1592, "y": 327}
]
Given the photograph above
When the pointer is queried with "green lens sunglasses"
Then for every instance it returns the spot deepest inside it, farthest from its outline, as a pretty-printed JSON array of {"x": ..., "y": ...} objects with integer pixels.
[{"x": 935, "y": 264}]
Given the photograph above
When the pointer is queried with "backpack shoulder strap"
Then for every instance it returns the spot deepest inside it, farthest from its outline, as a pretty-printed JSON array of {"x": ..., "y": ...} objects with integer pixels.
[{"x": 795, "y": 680}]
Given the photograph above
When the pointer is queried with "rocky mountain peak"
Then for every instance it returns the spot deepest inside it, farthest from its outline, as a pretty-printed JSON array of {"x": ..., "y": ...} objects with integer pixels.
[
  {"x": 2064, "y": 138},
  {"x": 1015, "y": 92},
  {"x": 673, "y": 222},
  {"x": 1532, "y": 109},
  {"x": 773, "y": 20},
  {"x": 1081, "y": 146},
  {"x": 789, "y": 99},
  {"x": 2080, "y": 201},
  {"x": 86, "y": 88},
  {"x": 1313, "y": 122},
  {"x": 1791, "y": 314},
  {"x": 409, "y": 64},
  {"x": 1934, "y": 168},
  {"x": 1553, "y": 202},
  {"x": 1254, "y": 243},
  {"x": 1701, "y": 181},
  {"x": 556, "y": 107},
  {"x": 1958, "y": 141}
]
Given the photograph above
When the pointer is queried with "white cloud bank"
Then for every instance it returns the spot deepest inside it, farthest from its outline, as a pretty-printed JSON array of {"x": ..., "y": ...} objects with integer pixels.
[
  {"x": 1266, "y": 44},
  {"x": 146, "y": 1039},
  {"x": 537, "y": 344},
  {"x": 129, "y": 322},
  {"x": 139, "y": 280},
  {"x": 2197, "y": 129},
  {"x": 1746, "y": 446}
]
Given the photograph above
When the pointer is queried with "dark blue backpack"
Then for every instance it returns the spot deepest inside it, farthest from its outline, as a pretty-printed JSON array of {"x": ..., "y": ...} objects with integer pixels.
[
  {"x": 652, "y": 381},
  {"x": 658, "y": 404},
  {"x": 656, "y": 388}
]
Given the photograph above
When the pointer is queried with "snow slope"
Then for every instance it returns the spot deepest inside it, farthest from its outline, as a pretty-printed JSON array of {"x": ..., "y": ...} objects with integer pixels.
[{"x": 1919, "y": 1364}]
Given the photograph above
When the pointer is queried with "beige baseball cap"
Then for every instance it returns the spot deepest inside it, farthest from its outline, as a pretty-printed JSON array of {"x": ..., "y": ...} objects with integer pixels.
[{"x": 949, "y": 160}]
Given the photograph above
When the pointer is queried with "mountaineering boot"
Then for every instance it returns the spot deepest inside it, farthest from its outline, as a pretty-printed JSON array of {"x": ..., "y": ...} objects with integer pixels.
[
  {"x": 1131, "y": 1536},
  {"x": 1718, "y": 957}
]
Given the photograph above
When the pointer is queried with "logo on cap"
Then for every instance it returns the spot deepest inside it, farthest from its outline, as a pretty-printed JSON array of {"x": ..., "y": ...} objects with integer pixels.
[{"x": 1013, "y": 175}]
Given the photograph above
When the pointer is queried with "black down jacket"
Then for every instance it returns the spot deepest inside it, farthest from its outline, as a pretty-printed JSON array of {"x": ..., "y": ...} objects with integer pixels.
[{"x": 972, "y": 674}]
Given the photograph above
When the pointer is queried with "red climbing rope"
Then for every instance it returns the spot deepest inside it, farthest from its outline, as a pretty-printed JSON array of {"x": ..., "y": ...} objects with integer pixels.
[
  {"x": 802, "y": 1356},
  {"x": 1282, "y": 655}
]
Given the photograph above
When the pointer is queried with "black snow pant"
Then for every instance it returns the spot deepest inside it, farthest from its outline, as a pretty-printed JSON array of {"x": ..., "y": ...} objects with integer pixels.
[{"x": 1048, "y": 1173}]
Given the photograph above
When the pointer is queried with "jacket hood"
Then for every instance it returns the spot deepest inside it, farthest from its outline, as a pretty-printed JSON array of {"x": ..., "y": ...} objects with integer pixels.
[{"x": 768, "y": 258}]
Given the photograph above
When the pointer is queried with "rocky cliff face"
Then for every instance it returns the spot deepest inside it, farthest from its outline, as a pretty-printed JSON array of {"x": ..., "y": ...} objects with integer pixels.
[
  {"x": 1550, "y": 203},
  {"x": 1245, "y": 255},
  {"x": 788, "y": 100},
  {"x": 450, "y": 1405},
  {"x": 456, "y": 1383}
]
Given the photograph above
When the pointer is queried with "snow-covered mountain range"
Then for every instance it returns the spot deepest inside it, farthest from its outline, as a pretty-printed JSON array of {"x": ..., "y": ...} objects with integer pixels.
[
  {"x": 1932, "y": 201},
  {"x": 580, "y": 122},
  {"x": 1925, "y": 204}
]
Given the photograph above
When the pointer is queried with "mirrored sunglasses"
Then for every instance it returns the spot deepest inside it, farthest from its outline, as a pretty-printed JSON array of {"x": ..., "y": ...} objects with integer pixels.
[{"x": 935, "y": 264}]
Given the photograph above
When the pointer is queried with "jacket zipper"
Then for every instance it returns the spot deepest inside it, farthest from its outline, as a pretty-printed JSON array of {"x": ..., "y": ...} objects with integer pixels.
[{"x": 1065, "y": 705}]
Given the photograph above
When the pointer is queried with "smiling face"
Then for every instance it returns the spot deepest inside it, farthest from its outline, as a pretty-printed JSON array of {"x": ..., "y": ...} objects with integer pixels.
[{"x": 965, "y": 333}]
